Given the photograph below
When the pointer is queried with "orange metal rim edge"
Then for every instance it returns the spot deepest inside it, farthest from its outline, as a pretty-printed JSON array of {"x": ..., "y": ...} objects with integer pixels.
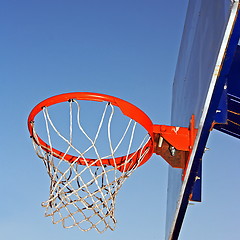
[{"x": 127, "y": 109}]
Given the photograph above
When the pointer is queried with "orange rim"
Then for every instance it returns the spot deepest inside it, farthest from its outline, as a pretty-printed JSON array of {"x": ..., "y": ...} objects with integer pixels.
[{"x": 127, "y": 109}]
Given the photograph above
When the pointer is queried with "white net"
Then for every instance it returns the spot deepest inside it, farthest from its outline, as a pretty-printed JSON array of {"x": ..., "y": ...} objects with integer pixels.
[{"x": 87, "y": 172}]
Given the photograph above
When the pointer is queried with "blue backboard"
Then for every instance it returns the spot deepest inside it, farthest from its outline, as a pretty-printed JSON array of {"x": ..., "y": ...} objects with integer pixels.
[{"x": 206, "y": 67}]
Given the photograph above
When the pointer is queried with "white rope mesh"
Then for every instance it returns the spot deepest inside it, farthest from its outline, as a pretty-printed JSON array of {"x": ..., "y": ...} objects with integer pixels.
[{"x": 84, "y": 195}]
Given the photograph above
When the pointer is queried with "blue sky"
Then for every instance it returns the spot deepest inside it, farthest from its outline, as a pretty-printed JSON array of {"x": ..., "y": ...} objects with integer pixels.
[{"x": 127, "y": 49}]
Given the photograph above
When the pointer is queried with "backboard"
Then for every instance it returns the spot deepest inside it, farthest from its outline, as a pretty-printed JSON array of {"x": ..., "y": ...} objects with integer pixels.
[{"x": 208, "y": 48}]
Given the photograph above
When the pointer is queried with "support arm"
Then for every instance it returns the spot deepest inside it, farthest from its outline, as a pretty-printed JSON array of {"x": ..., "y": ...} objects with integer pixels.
[{"x": 174, "y": 144}]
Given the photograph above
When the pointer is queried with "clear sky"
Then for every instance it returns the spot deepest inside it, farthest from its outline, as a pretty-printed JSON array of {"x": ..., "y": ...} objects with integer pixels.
[{"x": 127, "y": 49}]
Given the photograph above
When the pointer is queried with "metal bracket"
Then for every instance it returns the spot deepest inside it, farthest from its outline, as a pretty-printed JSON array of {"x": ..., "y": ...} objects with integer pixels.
[{"x": 174, "y": 144}]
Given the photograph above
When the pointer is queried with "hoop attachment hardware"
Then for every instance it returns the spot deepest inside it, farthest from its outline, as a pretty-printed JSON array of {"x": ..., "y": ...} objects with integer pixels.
[{"x": 174, "y": 144}]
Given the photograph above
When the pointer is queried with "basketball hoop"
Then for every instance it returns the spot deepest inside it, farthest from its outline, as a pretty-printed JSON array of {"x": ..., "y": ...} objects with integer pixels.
[
  {"x": 89, "y": 151},
  {"x": 83, "y": 189}
]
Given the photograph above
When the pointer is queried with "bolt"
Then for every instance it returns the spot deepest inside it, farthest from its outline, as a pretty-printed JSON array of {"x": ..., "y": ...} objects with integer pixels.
[{"x": 172, "y": 150}]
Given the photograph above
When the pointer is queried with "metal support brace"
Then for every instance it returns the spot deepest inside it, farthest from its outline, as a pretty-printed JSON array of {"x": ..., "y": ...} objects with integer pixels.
[{"x": 174, "y": 144}]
